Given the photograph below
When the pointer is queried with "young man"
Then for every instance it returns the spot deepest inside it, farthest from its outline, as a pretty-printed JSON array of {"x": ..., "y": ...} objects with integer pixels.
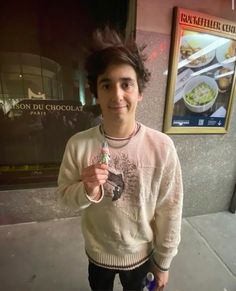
[{"x": 131, "y": 198}]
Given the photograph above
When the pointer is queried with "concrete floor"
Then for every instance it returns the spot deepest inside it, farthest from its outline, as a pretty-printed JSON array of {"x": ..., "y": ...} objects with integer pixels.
[{"x": 49, "y": 256}]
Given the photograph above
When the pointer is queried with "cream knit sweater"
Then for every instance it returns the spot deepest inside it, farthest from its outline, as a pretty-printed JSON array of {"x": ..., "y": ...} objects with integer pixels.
[{"x": 139, "y": 213}]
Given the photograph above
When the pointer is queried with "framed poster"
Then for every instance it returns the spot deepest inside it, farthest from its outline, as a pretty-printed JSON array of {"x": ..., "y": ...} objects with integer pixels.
[{"x": 201, "y": 75}]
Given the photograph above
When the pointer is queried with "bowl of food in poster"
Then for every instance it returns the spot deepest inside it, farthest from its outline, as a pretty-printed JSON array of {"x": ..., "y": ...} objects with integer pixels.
[
  {"x": 224, "y": 77},
  {"x": 192, "y": 50},
  {"x": 226, "y": 52},
  {"x": 200, "y": 93}
]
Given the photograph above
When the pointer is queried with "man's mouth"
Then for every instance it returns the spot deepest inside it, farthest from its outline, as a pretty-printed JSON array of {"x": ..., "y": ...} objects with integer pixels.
[{"x": 117, "y": 107}]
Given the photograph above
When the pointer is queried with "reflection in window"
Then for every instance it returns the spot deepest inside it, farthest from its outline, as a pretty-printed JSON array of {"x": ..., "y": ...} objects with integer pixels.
[{"x": 21, "y": 73}]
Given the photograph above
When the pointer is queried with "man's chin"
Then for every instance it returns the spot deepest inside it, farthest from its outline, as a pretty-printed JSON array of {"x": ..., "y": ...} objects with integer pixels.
[{"x": 115, "y": 118}]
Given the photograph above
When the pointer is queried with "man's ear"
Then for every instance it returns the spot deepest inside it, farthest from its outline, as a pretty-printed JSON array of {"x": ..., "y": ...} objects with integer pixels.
[{"x": 140, "y": 97}]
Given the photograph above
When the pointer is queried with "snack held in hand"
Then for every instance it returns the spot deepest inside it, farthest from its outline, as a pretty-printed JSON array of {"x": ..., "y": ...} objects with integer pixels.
[{"x": 105, "y": 154}]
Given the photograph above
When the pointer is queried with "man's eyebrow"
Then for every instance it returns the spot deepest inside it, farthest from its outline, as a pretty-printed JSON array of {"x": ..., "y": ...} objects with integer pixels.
[
  {"x": 103, "y": 80},
  {"x": 126, "y": 79}
]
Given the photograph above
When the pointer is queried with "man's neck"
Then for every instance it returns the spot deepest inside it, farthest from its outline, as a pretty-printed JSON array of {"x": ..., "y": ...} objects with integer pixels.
[{"x": 119, "y": 130}]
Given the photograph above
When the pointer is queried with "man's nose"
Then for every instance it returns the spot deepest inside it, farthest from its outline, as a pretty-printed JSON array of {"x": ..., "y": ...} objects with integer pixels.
[{"x": 118, "y": 93}]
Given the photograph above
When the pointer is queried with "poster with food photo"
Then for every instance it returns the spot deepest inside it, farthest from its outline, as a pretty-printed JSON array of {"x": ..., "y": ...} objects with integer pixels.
[{"x": 202, "y": 79}]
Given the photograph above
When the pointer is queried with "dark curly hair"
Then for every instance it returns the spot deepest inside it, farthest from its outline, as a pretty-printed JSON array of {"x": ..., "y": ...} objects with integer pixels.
[{"x": 107, "y": 48}]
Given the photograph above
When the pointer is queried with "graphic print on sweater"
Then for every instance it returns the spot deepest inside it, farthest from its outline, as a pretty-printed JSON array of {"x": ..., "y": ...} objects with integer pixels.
[
  {"x": 117, "y": 183},
  {"x": 122, "y": 183}
]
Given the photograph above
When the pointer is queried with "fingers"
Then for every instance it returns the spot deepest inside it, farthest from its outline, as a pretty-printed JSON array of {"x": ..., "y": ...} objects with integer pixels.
[
  {"x": 94, "y": 176},
  {"x": 95, "y": 173},
  {"x": 160, "y": 285},
  {"x": 91, "y": 170},
  {"x": 161, "y": 279}
]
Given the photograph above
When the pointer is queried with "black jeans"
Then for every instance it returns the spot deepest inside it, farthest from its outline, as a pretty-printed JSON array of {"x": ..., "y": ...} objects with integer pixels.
[{"x": 102, "y": 279}]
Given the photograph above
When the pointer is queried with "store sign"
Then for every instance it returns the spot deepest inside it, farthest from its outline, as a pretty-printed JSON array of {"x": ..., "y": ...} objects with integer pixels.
[{"x": 207, "y": 22}]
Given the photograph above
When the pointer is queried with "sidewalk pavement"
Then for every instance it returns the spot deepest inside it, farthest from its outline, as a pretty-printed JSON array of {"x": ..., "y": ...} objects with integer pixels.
[{"x": 49, "y": 256}]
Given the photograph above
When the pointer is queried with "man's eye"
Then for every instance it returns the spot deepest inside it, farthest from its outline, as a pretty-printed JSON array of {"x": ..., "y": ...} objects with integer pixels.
[
  {"x": 127, "y": 85},
  {"x": 105, "y": 86}
]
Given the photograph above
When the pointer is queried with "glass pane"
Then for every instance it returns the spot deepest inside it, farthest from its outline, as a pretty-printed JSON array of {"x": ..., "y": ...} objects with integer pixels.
[
  {"x": 31, "y": 64},
  {"x": 47, "y": 84},
  {"x": 55, "y": 89},
  {"x": 34, "y": 83},
  {"x": 204, "y": 80},
  {"x": 49, "y": 67},
  {"x": 12, "y": 84},
  {"x": 60, "y": 91},
  {"x": 10, "y": 62}
]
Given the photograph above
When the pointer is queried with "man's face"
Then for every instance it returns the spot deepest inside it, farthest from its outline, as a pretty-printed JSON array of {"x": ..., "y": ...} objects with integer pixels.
[{"x": 118, "y": 93}]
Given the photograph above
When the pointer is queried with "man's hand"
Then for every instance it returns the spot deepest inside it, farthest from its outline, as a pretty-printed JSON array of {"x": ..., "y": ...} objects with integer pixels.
[
  {"x": 93, "y": 177},
  {"x": 161, "y": 279}
]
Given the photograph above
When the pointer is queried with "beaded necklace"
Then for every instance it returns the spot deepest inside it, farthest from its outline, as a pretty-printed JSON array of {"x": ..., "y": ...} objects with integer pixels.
[{"x": 128, "y": 139}]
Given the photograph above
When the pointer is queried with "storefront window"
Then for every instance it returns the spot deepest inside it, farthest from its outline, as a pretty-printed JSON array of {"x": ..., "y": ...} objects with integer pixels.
[{"x": 44, "y": 97}]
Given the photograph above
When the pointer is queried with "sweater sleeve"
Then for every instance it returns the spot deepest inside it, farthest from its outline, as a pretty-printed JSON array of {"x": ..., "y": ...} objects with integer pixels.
[
  {"x": 168, "y": 213},
  {"x": 71, "y": 190}
]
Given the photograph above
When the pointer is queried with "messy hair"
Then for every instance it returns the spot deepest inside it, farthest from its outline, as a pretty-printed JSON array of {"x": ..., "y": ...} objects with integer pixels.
[{"x": 109, "y": 48}]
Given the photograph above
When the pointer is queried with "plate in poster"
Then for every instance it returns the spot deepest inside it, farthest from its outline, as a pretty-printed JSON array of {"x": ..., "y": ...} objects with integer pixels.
[
  {"x": 223, "y": 77},
  {"x": 192, "y": 44},
  {"x": 226, "y": 52}
]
